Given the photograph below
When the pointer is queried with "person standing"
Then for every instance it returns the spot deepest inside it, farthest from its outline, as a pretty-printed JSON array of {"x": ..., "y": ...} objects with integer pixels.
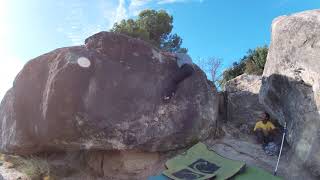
[{"x": 186, "y": 69}]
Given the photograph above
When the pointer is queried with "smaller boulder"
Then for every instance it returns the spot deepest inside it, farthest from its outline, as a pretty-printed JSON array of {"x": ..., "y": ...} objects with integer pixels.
[{"x": 243, "y": 107}]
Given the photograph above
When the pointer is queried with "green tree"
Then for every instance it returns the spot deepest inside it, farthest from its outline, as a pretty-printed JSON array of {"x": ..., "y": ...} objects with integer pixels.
[
  {"x": 130, "y": 28},
  {"x": 152, "y": 26},
  {"x": 252, "y": 63},
  {"x": 237, "y": 69},
  {"x": 256, "y": 60}
]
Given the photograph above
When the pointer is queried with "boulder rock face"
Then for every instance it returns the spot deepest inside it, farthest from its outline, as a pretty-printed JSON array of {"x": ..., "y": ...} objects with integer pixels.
[
  {"x": 122, "y": 165},
  {"x": 291, "y": 83},
  {"x": 105, "y": 95},
  {"x": 243, "y": 100}
]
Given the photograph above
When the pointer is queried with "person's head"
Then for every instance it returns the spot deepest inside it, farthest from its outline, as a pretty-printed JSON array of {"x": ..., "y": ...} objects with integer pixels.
[{"x": 265, "y": 117}]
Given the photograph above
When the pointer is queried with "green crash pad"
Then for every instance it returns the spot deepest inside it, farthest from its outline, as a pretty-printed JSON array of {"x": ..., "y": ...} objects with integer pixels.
[
  {"x": 200, "y": 163},
  {"x": 254, "y": 173},
  {"x": 160, "y": 177}
]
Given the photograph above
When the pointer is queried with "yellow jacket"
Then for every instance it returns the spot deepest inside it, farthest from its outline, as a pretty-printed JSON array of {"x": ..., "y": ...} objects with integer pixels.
[{"x": 265, "y": 127}]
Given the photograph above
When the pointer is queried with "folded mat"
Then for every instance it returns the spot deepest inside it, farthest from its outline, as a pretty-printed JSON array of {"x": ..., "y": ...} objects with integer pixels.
[
  {"x": 254, "y": 173},
  {"x": 200, "y": 163}
]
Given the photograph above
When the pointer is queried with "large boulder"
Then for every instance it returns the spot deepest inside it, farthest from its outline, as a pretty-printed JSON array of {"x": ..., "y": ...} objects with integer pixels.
[
  {"x": 243, "y": 107},
  {"x": 291, "y": 83},
  {"x": 121, "y": 165},
  {"x": 105, "y": 95}
]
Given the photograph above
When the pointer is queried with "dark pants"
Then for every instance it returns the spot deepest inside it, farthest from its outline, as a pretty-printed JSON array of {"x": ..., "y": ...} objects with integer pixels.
[
  {"x": 184, "y": 72},
  {"x": 262, "y": 138}
]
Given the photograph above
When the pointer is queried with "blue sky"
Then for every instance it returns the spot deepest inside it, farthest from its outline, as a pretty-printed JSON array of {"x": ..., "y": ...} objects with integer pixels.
[{"x": 210, "y": 28}]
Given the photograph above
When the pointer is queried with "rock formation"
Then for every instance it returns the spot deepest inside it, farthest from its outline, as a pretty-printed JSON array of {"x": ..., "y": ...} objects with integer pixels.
[
  {"x": 291, "y": 83},
  {"x": 243, "y": 107},
  {"x": 105, "y": 95}
]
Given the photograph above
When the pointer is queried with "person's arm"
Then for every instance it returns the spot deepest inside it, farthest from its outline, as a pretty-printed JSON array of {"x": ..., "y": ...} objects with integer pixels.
[
  {"x": 273, "y": 129},
  {"x": 272, "y": 126}
]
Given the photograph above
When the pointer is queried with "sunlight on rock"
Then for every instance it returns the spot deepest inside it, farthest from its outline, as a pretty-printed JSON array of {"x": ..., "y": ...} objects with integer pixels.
[
  {"x": 156, "y": 55},
  {"x": 84, "y": 62}
]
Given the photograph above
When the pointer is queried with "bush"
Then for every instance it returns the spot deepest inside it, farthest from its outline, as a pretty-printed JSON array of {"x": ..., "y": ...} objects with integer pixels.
[
  {"x": 252, "y": 63},
  {"x": 33, "y": 167},
  {"x": 152, "y": 26}
]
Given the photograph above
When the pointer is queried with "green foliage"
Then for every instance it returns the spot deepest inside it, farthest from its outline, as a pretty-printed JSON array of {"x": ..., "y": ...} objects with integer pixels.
[
  {"x": 252, "y": 63},
  {"x": 256, "y": 60},
  {"x": 131, "y": 28},
  {"x": 230, "y": 73},
  {"x": 34, "y": 167},
  {"x": 154, "y": 27}
]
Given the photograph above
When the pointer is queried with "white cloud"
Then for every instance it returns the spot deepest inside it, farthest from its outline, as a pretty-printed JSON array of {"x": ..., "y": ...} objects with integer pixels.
[
  {"x": 108, "y": 10},
  {"x": 77, "y": 26},
  {"x": 177, "y": 1},
  {"x": 136, "y": 6},
  {"x": 131, "y": 8},
  {"x": 9, "y": 68},
  {"x": 9, "y": 64},
  {"x": 170, "y": 1},
  {"x": 117, "y": 10},
  {"x": 3, "y": 19},
  {"x": 121, "y": 12}
]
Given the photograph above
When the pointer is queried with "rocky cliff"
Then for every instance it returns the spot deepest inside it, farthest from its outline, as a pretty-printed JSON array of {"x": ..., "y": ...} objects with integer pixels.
[
  {"x": 291, "y": 83},
  {"x": 105, "y": 95}
]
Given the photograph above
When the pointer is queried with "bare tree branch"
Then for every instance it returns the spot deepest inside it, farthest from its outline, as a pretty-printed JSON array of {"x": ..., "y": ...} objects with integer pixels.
[
  {"x": 211, "y": 66},
  {"x": 215, "y": 65}
]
